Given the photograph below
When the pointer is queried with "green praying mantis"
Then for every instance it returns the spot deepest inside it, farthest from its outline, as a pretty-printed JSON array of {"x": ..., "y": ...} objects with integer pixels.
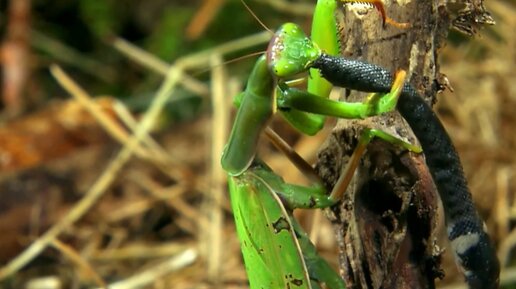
[{"x": 277, "y": 253}]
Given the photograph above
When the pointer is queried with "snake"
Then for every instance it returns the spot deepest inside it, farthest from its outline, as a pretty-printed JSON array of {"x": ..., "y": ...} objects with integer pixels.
[{"x": 473, "y": 249}]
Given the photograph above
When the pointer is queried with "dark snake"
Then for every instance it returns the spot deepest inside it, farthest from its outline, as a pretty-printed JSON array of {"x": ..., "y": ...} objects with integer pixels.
[{"x": 472, "y": 247}]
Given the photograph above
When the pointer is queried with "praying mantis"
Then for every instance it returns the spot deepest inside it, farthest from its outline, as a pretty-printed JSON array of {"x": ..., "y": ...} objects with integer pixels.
[{"x": 276, "y": 253}]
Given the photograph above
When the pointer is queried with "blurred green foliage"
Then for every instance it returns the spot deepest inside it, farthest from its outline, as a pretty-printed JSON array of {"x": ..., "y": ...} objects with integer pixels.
[{"x": 158, "y": 26}]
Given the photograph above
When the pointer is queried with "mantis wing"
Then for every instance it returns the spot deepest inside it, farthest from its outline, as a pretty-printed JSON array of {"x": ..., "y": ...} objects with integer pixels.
[{"x": 272, "y": 256}]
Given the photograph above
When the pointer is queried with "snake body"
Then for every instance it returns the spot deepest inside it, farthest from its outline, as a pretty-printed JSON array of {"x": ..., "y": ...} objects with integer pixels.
[{"x": 472, "y": 247}]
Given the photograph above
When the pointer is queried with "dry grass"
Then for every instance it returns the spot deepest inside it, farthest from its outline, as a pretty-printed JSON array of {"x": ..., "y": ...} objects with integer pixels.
[
  {"x": 180, "y": 178},
  {"x": 479, "y": 116}
]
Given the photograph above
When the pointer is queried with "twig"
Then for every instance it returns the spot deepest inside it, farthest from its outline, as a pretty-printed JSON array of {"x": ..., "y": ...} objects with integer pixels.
[
  {"x": 302, "y": 9},
  {"x": 153, "y": 153},
  {"x": 14, "y": 54},
  {"x": 102, "y": 183},
  {"x": 140, "y": 251},
  {"x": 157, "y": 65},
  {"x": 70, "y": 56},
  {"x": 203, "y": 17},
  {"x": 77, "y": 259},
  {"x": 200, "y": 59},
  {"x": 219, "y": 129},
  {"x": 154, "y": 273}
]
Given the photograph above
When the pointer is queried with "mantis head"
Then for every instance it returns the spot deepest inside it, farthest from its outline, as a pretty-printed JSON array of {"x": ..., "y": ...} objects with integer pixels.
[{"x": 290, "y": 51}]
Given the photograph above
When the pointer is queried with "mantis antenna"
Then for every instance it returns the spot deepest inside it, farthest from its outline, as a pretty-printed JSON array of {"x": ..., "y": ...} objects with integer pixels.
[
  {"x": 256, "y": 17},
  {"x": 252, "y": 54}
]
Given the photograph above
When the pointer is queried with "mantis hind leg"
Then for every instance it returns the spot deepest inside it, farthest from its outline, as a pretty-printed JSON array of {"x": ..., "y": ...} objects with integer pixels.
[{"x": 366, "y": 137}]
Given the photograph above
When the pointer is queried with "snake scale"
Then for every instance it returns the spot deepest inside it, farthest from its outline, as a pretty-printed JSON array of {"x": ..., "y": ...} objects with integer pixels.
[{"x": 474, "y": 252}]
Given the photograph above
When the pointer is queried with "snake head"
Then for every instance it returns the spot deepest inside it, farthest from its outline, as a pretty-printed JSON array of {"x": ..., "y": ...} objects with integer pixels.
[{"x": 290, "y": 51}]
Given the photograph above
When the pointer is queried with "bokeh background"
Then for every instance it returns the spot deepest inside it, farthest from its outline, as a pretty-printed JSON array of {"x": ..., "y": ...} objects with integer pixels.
[{"x": 102, "y": 210}]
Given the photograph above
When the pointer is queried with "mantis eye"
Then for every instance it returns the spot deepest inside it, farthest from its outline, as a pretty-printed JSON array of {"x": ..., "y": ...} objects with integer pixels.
[{"x": 290, "y": 51}]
